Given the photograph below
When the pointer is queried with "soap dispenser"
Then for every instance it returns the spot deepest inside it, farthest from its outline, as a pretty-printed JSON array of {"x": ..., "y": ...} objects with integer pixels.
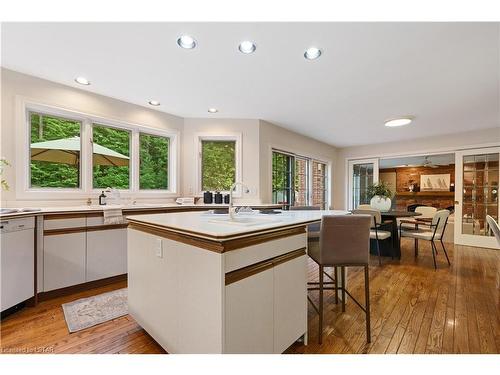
[{"x": 102, "y": 199}]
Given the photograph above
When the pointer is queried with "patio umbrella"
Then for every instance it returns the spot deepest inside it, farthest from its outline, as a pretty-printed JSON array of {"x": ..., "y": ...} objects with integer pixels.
[{"x": 67, "y": 151}]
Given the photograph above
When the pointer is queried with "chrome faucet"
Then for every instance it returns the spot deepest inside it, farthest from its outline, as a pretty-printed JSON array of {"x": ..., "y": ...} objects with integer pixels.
[{"x": 233, "y": 186}]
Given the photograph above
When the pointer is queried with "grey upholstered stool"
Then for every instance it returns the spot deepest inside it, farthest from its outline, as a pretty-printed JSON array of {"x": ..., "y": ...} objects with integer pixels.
[
  {"x": 312, "y": 229},
  {"x": 344, "y": 241}
]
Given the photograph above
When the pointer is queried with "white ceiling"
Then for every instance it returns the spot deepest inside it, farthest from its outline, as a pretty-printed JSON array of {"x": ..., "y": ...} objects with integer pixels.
[{"x": 445, "y": 74}]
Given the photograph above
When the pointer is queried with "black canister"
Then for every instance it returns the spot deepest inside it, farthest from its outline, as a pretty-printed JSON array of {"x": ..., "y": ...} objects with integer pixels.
[
  {"x": 226, "y": 199},
  {"x": 208, "y": 197},
  {"x": 218, "y": 197}
]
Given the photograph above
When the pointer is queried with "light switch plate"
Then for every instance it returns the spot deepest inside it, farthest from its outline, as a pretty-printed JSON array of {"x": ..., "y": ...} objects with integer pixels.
[{"x": 159, "y": 248}]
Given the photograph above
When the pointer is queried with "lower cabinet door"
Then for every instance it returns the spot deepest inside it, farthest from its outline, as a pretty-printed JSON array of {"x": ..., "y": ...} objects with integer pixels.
[
  {"x": 63, "y": 260},
  {"x": 290, "y": 302},
  {"x": 249, "y": 314},
  {"x": 106, "y": 253}
]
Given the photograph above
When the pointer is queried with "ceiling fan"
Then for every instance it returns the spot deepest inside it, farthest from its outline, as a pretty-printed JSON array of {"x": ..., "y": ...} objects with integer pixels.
[{"x": 429, "y": 164}]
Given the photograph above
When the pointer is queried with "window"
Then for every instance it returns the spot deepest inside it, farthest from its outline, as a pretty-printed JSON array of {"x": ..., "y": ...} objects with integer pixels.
[
  {"x": 309, "y": 176},
  {"x": 110, "y": 157},
  {"x": 55, "y": 157},
  {"x": 301, "y": 181},
  {"x": 319, "y": 184},
  {"x": 219, "y": 162},
  {"x": 153, "y": 170},
  {"x": 71, "y": 155},
  {"x": 362, "y": 177},
  {"x": 282, "y": 178}
]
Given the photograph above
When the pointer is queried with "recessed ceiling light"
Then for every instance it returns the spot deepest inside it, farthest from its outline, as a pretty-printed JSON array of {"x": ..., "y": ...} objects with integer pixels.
[
  {"x": 399, "y": 121},
  {"x": 156, "y": 103},
  {"x": 312, "y": 53},
  {"x": 187, "y": 42},
  {"x": 247, "y": 47},
  {"x": 82, "y": 81},
  {"x": 213, "y": 110}
]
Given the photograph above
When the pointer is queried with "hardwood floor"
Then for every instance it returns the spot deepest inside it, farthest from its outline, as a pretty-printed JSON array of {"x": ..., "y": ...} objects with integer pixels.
[{"x": 414, "y": 310}]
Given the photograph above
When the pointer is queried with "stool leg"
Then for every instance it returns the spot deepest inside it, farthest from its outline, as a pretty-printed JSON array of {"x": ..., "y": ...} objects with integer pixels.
[
  {"x": 320, "y": 307},
  {"x": 342, "y": 271},
  {"x": 416, "y": 247},
  {"x": 335, "y": 274},
  {"x": 367, "y": 305}
]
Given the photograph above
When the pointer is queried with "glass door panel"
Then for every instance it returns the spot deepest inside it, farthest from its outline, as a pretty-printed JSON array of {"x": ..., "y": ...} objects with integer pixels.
[
  {"x": 362, "y": 173},
  {"x": 477, "y": 174}
]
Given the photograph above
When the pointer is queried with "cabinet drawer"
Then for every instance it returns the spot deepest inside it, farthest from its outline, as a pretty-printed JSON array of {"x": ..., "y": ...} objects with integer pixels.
[
  {"x": 246, "y": 256},
  {"x": 63, "y": 223}
]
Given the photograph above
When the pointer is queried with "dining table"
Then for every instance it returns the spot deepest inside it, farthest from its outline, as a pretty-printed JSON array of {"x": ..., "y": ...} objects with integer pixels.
[{"x": 390, "y": 218}]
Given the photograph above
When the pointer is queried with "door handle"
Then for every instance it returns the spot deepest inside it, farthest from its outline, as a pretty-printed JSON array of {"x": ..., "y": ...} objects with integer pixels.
[{"x": 457, "y": 202}]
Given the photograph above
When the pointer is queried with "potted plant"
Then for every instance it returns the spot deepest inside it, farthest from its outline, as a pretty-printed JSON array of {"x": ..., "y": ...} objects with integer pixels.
[{"x": 380, "y": 196}]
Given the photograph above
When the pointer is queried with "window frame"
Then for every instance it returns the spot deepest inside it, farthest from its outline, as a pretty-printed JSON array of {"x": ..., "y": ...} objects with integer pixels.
[
  {"x": 236, "y": 137},
  {"x": 24, "y": 190},
  {"x": 310, "y": 161}
]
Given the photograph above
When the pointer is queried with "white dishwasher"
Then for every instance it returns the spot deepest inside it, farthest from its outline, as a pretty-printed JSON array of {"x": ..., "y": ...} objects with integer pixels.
[{"x": 17, "y": 267}]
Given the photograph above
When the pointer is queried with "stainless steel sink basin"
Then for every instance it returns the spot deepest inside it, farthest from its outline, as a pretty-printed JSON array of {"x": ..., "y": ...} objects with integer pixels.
[
  {"x": 8, "y": 210},
  {"x": 243, "y": 221}
]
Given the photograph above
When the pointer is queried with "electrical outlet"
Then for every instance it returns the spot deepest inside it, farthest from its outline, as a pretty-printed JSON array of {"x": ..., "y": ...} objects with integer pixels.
[{"x": 159, "y": 248}]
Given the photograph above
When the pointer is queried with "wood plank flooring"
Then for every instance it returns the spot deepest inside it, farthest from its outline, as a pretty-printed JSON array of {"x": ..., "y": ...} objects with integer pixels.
[{"x": 414, "y": 310}]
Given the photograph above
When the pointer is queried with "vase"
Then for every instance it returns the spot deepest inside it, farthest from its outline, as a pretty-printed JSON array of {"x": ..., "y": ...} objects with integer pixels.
[{"x": 381, "y": 203}]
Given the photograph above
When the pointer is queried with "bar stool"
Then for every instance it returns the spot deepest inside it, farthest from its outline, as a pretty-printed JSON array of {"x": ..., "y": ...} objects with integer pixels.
[{"x": 344, "y": 241}]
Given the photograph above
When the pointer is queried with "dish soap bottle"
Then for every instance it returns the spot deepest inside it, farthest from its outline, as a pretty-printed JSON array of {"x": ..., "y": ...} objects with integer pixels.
[{"x": 102, "y": 199}]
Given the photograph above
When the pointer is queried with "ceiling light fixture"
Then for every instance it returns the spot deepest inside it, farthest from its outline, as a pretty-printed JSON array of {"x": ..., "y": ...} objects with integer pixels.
[
  {"x": 156, "y": 103},
  {"x": 186, "y": 41},
  {"x": 213, "y": 110},
  {"x": 247, "y": 47},
  {"x": 312, "y": 53},
  {"x": 82, "y": 81},
  {"x": 402, "y": 121}
]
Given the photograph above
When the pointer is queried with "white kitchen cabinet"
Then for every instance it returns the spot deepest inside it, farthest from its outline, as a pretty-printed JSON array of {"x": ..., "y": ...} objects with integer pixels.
[
  {"x": 106, "y": 253},
  {"x": 249, "y": 316},
  {"x": 64, "y": 260},
  {"x": 290, "y": 302}
]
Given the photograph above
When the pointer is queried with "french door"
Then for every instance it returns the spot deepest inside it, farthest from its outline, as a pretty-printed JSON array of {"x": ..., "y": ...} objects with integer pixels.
[
  {"x": 362, "y": 173},
  {"x": 476, "y": 195}
]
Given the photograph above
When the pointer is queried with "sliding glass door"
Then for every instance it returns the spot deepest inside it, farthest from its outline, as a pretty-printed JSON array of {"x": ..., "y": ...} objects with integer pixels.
[
  {"x": 476, "y": 196},
  {"x": 362, "y": 173}
]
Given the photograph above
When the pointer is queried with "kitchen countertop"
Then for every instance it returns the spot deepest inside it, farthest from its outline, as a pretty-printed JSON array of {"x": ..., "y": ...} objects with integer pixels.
[
  {"x": 126, "y": 208},
  {"x": 205, "y": 225}
]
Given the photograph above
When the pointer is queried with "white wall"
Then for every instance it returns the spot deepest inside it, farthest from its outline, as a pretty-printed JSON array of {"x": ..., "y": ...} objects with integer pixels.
[
  {"x": 426, "y": 145},
  {"x": 249, "y": 131},
  {"x": 67, "y": 97},
  {"x": 273, "y": 136}
]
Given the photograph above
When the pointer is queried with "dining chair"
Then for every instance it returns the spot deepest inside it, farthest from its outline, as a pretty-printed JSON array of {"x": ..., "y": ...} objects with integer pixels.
[
  {"x": 426, "y": 212},
  {"x": 376, "y": 233},
  {"x": 432, "y": 231},
  {"x": 494, "y": 227},
  {"x": 364, "y": 207},
  {"x": 344, "y": 242}
]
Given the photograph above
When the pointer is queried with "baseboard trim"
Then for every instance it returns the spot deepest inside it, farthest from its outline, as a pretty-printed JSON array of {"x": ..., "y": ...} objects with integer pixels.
[{"x": 43, "y": 296}]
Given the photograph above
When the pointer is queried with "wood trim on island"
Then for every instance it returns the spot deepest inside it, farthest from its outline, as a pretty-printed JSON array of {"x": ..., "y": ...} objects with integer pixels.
[
  {"x": 243, "y": 273},
  {"x": 55, "y": 232},
  {"x": 219, "y": 245}
]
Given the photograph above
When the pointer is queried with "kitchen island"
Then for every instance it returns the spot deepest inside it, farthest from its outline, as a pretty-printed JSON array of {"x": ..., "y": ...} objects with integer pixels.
[{"x": 203, "y": 283}]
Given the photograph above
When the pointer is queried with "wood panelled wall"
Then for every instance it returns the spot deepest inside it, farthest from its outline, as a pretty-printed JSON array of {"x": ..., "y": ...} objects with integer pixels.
[{"x": 406, "y": 174}]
